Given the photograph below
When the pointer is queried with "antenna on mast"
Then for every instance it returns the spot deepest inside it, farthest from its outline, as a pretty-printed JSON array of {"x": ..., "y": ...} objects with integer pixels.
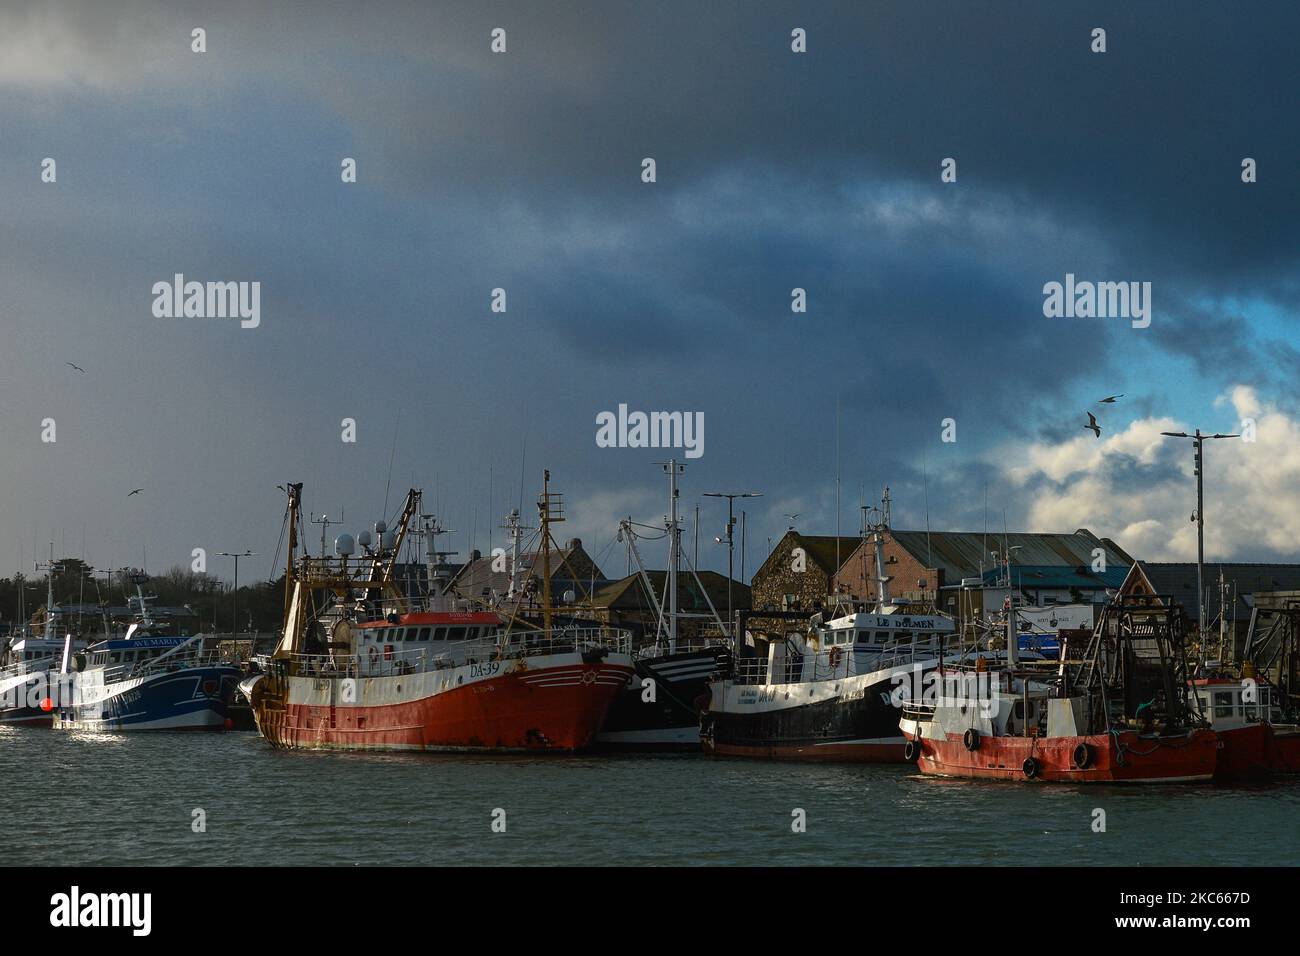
[{"x": 324, "y": 521}]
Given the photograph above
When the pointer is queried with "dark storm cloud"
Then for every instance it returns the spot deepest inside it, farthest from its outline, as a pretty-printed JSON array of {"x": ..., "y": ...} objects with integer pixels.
[{"x": 775, "y": 171}]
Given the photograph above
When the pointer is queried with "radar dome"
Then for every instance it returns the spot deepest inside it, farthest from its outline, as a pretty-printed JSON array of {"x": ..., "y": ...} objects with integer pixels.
[
  {"x": 344, "y": 546},
  {"x": 363, "y": 539}
]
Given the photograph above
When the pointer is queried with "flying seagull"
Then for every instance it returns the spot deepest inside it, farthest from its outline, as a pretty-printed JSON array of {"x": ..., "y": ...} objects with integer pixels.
[
  {"x": 1111, "y": 399},
  {"x": 77, "y": 367},
  {"x": 136, "y": 492},
  {"x": 1092, "y": 423},
  {"x": 792, "y": 517}
]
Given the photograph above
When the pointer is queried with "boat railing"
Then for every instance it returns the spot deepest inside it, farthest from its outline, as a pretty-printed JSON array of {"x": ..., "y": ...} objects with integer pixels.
[
  {"x": 685, "y": 645},
  {"x": 383, "y": 660},
  {"x": 184, "y": 657},
  {"x": 831, "y": 666},
  {"x": 16, "y": 669},
  {"x": 917, "y": 710}
]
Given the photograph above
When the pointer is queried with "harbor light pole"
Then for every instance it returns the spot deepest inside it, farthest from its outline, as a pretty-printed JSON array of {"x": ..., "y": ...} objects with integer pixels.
[
  {"x": 1198, "y": 442},
  {"x": 731, "y": 497},
  {"x": 234, "y": 597}
]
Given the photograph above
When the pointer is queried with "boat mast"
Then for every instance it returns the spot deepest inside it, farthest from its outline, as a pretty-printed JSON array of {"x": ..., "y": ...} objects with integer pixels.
[
  {"x": 674, "y": 549},
  {"x": 294, "y": 492},
  {"x": 550, "y": 511},
  {"x": 49, "y": 592},
  {"x": 516, "y": 535},
  {"x": 878, "y": 528}
]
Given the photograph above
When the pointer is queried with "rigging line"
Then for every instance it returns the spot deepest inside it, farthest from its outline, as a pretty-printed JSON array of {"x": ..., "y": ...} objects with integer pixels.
[
  {"x": 284, "y": 521},
  {"x": 391, "y": 456}
]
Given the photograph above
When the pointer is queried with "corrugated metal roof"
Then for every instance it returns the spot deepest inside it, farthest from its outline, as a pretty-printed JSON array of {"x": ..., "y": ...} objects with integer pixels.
[
  {"x": 961, "y": 554},
  {"x": 1178, "y": 578},
  {"x": 1055, "y": 576}
]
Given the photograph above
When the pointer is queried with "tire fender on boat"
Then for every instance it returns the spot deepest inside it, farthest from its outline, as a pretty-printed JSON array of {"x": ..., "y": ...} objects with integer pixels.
[
  {"x": 1029, "y": 768},
  {"x": 912, "y": 751},
  {"x": 1082, "y": 756},
  {"x": 971, "y": 739}
]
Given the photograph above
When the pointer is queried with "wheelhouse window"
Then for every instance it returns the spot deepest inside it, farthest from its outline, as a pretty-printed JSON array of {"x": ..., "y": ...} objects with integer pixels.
[
  {"x": 1223, "y": 703},
  {"x": 424, "y": 634},
  {"x": 455, "y": 633}
]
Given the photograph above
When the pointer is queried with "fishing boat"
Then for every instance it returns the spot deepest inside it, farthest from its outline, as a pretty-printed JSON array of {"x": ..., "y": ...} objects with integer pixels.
[
  {"x": 1120, "y": 713},
  {"x": 151, "y": 678},
  {"x": 834, "y": 691},
  {"x": 1246, "y": 691},
  {"x": 30, "y": 663},
  {"x": 659, "y": 708},
  {"x": 362, "y": 666},
  {"x": 1255, "y": 738}
]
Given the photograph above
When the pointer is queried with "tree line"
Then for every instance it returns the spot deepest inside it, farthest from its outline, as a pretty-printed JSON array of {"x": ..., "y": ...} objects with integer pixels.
[{"x": 211, "y": 599}]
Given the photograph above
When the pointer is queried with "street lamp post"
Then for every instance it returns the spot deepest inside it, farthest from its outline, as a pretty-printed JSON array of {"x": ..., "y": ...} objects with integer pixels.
[
  {"x": 730, "y": 538},
  {"x": 234, "y": 596},
  {"x": 1198, "y": 442}
]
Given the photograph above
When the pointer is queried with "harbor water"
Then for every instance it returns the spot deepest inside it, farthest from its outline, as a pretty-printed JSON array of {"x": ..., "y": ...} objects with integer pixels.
[{"x": 230, "y": 799}]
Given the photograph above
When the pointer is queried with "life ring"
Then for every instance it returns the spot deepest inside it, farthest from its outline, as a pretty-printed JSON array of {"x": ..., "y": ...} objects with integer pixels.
[
  {"x": 835, "y": 657},
  {"x": 912, "y": 751},
  {"x": 374, "y": 654},
  {"x": 1082, "y": 756},
  {"x": 971, "y": 739},
  {"x": 1029, "y": 768}
]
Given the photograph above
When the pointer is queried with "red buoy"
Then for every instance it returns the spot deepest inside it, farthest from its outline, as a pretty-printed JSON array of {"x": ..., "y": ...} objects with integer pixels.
[
  {"x": 230, "y": 724},
  {"x": 47, "y": 705}
]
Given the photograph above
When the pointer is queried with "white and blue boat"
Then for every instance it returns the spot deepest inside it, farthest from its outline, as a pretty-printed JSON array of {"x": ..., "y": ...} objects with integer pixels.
[
  {"x": 149, "y": 680},
  {"x": 29, "y": 666},
  {"x": 31, "y": 662}
]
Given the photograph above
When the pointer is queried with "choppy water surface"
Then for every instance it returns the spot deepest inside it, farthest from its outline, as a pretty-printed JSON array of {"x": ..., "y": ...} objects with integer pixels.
[{"x": 130, "y": 799}]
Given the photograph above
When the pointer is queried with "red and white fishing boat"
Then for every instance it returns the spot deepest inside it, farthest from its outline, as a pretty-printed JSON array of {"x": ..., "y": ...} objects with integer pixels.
[
  {"x": 1120, "y": 714},
  {"x": 1254, "y": 738},
  {"x": 369, "y": 669}
]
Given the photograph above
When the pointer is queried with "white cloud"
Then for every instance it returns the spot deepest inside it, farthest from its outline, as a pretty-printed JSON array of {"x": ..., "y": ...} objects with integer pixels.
[
  {"x": 60, "y": 45},
  {"x": 1251, "y": 488}
]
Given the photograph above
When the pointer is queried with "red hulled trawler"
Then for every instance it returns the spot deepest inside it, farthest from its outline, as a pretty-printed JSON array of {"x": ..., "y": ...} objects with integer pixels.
[
  {"x": 362, "y": 666},
  {"x": 1118, "y": 714}
]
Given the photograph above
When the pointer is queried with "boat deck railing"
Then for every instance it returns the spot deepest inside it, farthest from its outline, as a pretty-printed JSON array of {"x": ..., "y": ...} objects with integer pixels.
[
  {"x": 849, "y": 664},
  {"x": 184, "y": 658},
  {"x": 383, "y": 660},
  {"x": 920, "y": 711},
  {"x": 685, "y": 645}
]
